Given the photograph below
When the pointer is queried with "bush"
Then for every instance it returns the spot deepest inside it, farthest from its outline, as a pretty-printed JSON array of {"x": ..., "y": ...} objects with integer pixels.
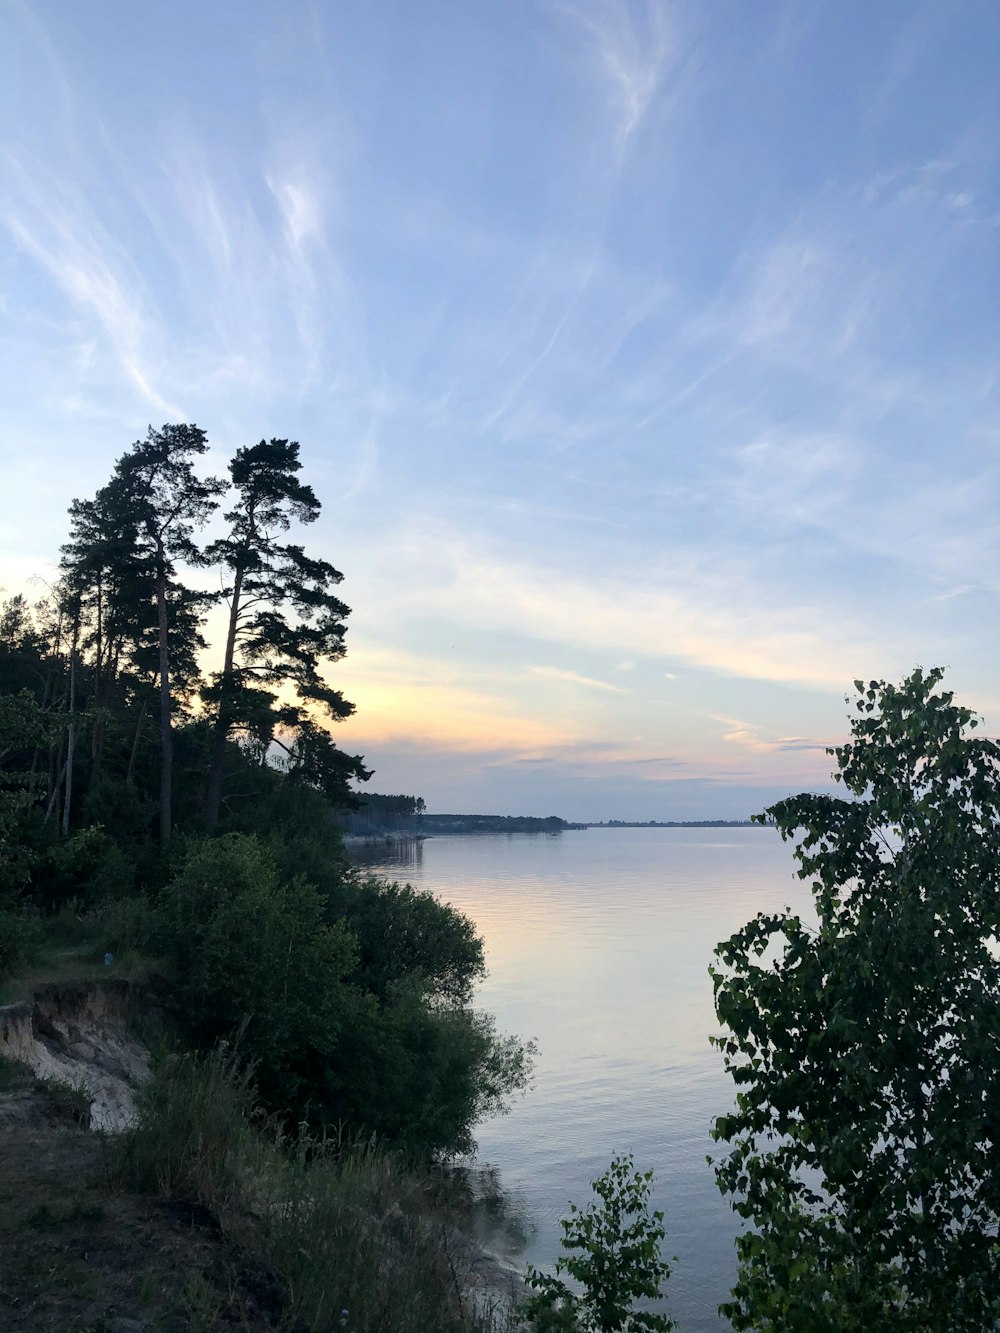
[
  {"x": 615, "y": 1257},
  {"x": 18, "y": 936},
  {"x": 421, "y": 1077},
  {"x": 405, "y": 936},
  {"x": 257, "y": 957},
  {"x": 253, "y": 955},
  {"x": 130, "y": 926},
  {"x": 86, "y": 867}
]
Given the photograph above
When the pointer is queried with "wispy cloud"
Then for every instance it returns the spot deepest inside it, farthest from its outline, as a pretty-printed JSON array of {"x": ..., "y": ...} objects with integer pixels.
[
  {"x": 750, "y": 736},
  {"x": 631, "y": 45},
  {"x": 56, "y": 225},
  {"x": 574, "y": 678},
  {"x": 709, "y": 616},
  {"x": 562, "y": 407}
]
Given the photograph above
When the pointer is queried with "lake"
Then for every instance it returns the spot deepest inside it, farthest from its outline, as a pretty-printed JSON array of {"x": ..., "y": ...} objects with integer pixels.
[{"x": 598, "y": 943}]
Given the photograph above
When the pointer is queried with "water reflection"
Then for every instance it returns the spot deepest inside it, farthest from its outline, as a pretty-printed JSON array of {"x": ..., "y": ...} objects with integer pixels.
[
  {"x": 598, "y": 944},
  {"x": 391, "y": 857}
]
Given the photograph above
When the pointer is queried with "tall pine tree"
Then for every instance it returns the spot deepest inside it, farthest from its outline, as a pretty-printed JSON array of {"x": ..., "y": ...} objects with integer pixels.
[
  {"x": 157, "y": 501},
  {"x": 285, "y": 622}
]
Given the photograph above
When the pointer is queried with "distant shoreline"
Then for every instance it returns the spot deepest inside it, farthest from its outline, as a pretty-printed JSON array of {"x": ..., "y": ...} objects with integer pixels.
[
  {"x": 479, "y": 826},
  {"x": 674, "y": 823}
]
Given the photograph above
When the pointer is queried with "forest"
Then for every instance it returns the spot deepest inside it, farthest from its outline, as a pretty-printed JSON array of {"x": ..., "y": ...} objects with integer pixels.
[{"x": 191, "y": 810}]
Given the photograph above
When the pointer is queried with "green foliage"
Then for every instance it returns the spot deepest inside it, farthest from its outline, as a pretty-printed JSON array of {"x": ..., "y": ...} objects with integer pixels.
[
  {"x": 340, "y": 1227},
  {"x": 421, "y": 1077},
  {"x": 615, "y": 1256},
  {"x": 353, "y": 998},
  {"x": 255, "y": 956},
  {"x": 18, "y": 940},
  {"x": 23, "y": 725},
  {"x": 130, "y": 925},
  {"x": 866, "y": 1053},
  {"x": 405, "y": 935},
  {"x": 385, "y": 1043},
  {"x": 86, "y": 867}
]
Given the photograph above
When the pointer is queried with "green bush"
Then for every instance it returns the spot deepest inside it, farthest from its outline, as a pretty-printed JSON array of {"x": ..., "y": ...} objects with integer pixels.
[
  {"x": 130, "y": 925},
  {"x": 253, "y": 956},
  {"x": 18, "y": 937},
  {"x": 86, "y": 867},
  {"x": 406, "y": 936},
  {"x": 257, "y": 958},
  {"x": 422, "y": 1076},
  {"x": 615, "y": 1257}
]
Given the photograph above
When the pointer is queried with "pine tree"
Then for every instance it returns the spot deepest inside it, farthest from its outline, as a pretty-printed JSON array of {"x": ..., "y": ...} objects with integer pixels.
[
  {"x": 157, "y": 503},
  {"x": 285, "y": 623}
]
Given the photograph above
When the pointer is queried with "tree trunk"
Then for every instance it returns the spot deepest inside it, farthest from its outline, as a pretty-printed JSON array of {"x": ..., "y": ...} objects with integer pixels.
[
  {"x": 213, "y": 793},
  {"x": 101, "y": 678},
  {"x": 130, "y": 775},
  {"x": 71, "y": 739},
  {"x": 166, "y": 728},
  {"x": 54, "y": 795}
]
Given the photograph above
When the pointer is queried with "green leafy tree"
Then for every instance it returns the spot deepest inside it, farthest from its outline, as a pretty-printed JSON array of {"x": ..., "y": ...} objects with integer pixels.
[
  {"x": 23, "y": 724},
  {"x": 865, "y": 1143},
  {"x": 252, "y": 955},
  {"x": 285, "y": 623},
  {"x": 405, "y": 934},
  {"x": 615, "y": 1256}
]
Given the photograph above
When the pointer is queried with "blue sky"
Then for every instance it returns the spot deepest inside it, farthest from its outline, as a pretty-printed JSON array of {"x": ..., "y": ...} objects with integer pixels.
[{"x": 644, "y": 355}]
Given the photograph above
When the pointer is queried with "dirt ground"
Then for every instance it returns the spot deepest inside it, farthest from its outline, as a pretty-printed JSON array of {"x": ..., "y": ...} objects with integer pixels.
[{"x": 79, "y": 1256}]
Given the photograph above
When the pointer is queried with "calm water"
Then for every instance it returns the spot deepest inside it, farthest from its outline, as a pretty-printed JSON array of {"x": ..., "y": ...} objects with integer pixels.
[{"x": 598, "y": 943}]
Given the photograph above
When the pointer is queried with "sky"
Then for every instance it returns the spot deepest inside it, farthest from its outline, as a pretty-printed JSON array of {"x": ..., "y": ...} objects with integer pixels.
[{"x": 643, "y": 355}]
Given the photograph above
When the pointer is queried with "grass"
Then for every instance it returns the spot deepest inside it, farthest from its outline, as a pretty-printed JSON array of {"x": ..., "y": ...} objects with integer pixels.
[
  {"x": 80, "y": 1254},
  {"x": 355, "y": 1239},
  {"x": 72, "y": 945},
  {"x": 13, "y": 1076}
]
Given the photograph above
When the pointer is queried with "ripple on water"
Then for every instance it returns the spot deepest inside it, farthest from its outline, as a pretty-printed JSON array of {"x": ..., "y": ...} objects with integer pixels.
[{"x": 598, "y": 944}]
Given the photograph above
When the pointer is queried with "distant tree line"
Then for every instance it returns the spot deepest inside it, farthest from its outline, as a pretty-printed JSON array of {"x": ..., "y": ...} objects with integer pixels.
[
  {"x": 676, "y": 823},
  {"x": 373, "y": 815},
  {"x": 494, "y": 824}
]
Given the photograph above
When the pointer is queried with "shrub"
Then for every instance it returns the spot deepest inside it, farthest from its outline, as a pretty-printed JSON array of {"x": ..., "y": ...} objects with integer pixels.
[
  {"x": 86, "y": 867},
  {"x": 422, "y": 1076},
  {"x": 191, "y": 1136},
  {"x": 615, "y": 1256},
  {"x": 130, "y": 925},
  {"x": 405, "y": 935},
  {"x": 255, "y": 956}
]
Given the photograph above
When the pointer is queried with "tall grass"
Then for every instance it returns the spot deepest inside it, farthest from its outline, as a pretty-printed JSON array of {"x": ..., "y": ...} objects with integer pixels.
[{"x": 355, "y": 1239}]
